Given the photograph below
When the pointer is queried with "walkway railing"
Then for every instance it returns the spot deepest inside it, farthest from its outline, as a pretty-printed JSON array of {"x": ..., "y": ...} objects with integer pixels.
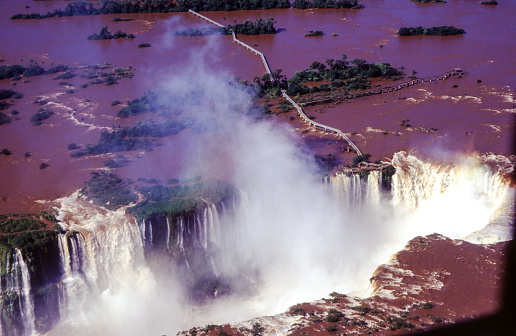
[
  {"x": 355, "y": 95},
  {"x": 321, "y": 126},
  {"x": 268, "y": 70}
]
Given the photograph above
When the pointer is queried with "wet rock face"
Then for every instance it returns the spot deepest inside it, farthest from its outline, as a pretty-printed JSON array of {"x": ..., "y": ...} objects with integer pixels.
[{"x": 433, "y": 281}]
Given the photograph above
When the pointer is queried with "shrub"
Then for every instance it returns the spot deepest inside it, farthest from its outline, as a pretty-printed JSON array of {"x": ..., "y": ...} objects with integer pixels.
[
  {"x": 144, "y": 45},
  {"x": 33, "y": 70},
  {"x": 57, "y": 68},
  {"x": 39, "y": 116},
  {"x": 65, "y": 75},
  {"x": 4, "y": 118},
  {"x": 297, "y": 311},
  {"x": 72, "y": 146},
  {"x": 334, "y": 315},
  {"x": 43, "y": 165}
]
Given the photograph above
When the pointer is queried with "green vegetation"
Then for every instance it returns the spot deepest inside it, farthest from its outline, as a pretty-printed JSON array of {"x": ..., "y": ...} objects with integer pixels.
[
  {"x": 200, "y": 31},
  {"x": 314, "y": 33},
  {"x": 4, "y": 105},
  {"x": 65, "y": 75},
  {"x": 397, "y": 323},
  {"x": 10, "y": 71},
  {"x": 117, "y": 19},
  {"x": 41, "y": 115},
  {"x": 440, "y": 31},
  {"x": 105, "y": 34},
  {"x": 305, "y": 4},
  {"x": 5, "y": 152},
  {"x": 360, "y": 158},
  {"x": 248, "y": 27},
  {"x": 14, "y": 225},
  {"x": 148, "y": 102},
  {"x": 297, "y": 311},
  {"x": 387, "y": 174},
  {"x": 117, "y": 162},
  {"x": 14, "y": 71},
  {"x": 489, "y": 2},
  {"x": 108, "y": 190},
  {"x": 425, "y": 1},
  {"x": 43, "y": 165},
  {"x": 82, "y": 8},
  {"x": 136, "y": 137},
  {"x": 4, "y": 118},
  {"x": 180, "y": 199},
  {"x": 341, "y": 74},
  {"x": 332, "y": 329},
  {"x": 334, "y": 315},
  {"x": 10, "y": 93},
  {"x": 57, "y": 68},
  {"x": 33, "y": 70},
  {"x": 144, "y": 45}
]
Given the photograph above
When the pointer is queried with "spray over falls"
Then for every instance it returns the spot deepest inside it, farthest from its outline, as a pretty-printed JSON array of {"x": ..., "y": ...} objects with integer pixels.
[{"x": 250, "y": 251}]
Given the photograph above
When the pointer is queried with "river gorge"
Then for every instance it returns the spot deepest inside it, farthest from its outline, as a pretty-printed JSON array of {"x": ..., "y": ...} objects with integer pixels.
[{"x": 238, "y": 221}]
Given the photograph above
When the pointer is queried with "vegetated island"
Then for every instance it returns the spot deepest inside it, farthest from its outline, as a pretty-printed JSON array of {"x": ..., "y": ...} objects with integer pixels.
[
  {"x": 339, "y": 74},
  {"x": 105, "y": 34},
  {"x": 82, "y": 8},
  {"x": 248, "y": 27},
  {"x": 314, "y": 33},
  {"x": 440, "y": 31},
  {"x": 305, "y": 4},
  {"x": 425, "y": 1}
]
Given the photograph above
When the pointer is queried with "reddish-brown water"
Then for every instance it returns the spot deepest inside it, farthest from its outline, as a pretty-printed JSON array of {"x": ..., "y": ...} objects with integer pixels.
[{"x": 486, "y": 109}]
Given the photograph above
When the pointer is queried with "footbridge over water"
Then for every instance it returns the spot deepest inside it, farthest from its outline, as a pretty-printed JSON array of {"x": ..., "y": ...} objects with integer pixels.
[
  {"x": 298, "y": 108},
  {"x": 370, "y": 92}
]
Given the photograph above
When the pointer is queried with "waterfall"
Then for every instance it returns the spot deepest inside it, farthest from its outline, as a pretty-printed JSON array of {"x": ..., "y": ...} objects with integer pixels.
[
  {"x": 353, "y": 191},
  {"x": 168, "y": 234},
  {"x": 16, "y": 296},
  {"x": 27, "y": 306},
  {"x": 101, "y": 256},
  {"x": 464, "y": 199},
  {"x": 181, "y": 232},
  {"x": 468, "y": 194}
]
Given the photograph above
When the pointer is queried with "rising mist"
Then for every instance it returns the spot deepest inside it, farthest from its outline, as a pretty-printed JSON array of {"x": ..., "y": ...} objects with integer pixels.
[{"x": 288, "y": 239}]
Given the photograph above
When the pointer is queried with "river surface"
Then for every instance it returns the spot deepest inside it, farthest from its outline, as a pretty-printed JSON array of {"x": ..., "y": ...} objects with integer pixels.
[{"x": 469, "y": 115}]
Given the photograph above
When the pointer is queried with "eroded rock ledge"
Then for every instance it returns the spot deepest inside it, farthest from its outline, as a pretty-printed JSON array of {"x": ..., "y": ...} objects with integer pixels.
[{"x": 434, "y": 280}]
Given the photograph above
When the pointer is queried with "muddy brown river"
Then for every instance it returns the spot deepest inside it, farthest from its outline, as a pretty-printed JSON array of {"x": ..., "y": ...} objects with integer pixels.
[{"x": 474, "y": 113}]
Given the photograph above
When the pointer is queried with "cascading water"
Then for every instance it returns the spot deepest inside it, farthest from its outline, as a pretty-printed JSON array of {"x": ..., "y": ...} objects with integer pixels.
[
  {"x": 102, "y": 257},
  {"x": 16, "y": 301},
  {"x": 275, "y": 244},
  {"x": 454, "y": 199}
]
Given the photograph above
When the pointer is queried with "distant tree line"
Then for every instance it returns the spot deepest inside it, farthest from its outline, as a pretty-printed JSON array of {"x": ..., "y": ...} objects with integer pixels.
[
  {"x": 340, "y": 73},
  {"x": 441, "y": 31},
  {"x": 305, "y": 4},
  {"x": 248, "y": 27},
  {"x": 105, "y": 34},
  {"x": 81, "y": 8}
]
